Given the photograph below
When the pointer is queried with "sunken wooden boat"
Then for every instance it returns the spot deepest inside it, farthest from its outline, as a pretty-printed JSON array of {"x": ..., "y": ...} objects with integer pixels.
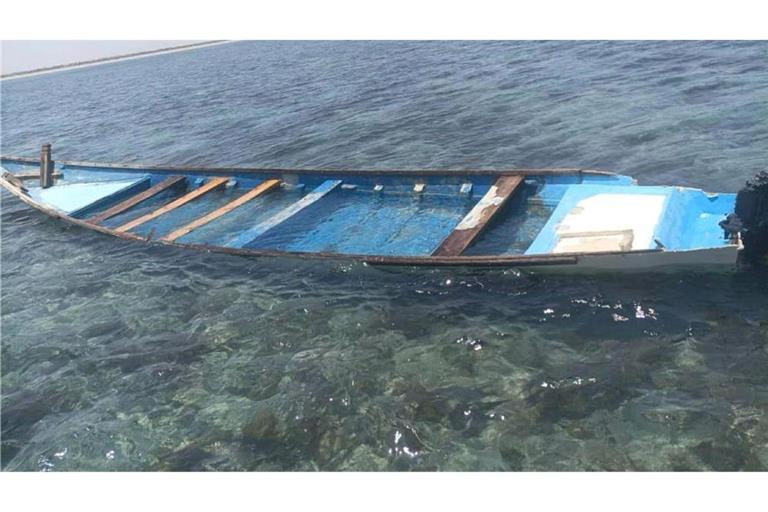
[{"x": 572, "y": 218}]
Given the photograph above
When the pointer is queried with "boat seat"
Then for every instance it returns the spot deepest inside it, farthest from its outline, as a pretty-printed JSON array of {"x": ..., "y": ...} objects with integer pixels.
[
  {"x": 604, "y": 219},
  {"x": 74, "y": 198},
  {"x": 595, "y": 241}
]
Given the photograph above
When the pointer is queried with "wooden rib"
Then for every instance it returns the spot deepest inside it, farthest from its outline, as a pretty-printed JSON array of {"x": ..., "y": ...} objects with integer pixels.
[
  {"x": 251, "y": 194},
  {"x": 212, "y": 184},
  {"x": 479, "y": 217},
  {"x": 34, "y": 175},
  {"x": 134, "y": 200}
]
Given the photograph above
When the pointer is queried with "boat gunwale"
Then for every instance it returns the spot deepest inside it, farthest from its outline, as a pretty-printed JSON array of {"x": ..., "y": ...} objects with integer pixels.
[{"x": 319, "y": 171}]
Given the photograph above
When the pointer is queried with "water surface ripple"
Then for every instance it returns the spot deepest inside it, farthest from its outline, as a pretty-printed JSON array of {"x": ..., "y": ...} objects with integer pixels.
[{"x": 117, "y": 356}]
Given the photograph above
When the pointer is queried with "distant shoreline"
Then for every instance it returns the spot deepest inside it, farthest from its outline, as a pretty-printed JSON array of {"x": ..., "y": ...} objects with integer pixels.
[{"x": 106, "y": 60}]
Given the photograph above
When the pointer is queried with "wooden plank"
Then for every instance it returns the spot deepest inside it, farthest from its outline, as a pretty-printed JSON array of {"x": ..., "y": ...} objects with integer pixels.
[
  {"x": 134, "y": 200},
  {"x": 14, "y": 180},
  {"x": 284, "y": 214},
  {"x": 255, "y": 192},
  {"x": 212, "y": 184},
  {"x": 229, "y": 171},
  {"x": 479, "y": 217},
  {"x": 35, "y": 175}
]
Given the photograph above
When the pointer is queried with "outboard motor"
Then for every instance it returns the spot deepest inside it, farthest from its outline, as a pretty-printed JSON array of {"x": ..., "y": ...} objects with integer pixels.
[{"x": 752, "y": 219}]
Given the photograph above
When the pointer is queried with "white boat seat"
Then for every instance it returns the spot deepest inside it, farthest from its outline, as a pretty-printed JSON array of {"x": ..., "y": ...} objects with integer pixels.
[
  {"x": 610, "y": 222},
  {"x": 595, "y": 241}
]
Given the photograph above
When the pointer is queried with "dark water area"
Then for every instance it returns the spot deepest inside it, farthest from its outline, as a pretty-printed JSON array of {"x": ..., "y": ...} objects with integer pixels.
[{"x": 118, "y": 356}]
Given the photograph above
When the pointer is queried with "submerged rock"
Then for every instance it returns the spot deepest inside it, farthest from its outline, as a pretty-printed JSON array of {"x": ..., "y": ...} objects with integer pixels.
[
  {"x": 424, "y": 405},
  {"x": 111, "y": 328},
  {"x": 470, "y": 419},
  {"x": 190, "y": 458},
  {"x": 511, "y": 448},
  {"x": 363, "y": 458},
  {"x": 263, "y": 427},
  {"x": 330, "y": 445},
  {"x": 731, "y": 453},
  {"x": 577, "y": 397}
]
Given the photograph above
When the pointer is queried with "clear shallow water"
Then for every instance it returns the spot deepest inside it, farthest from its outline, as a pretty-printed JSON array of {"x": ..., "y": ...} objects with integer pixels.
[{"x": 120, "y": 356}]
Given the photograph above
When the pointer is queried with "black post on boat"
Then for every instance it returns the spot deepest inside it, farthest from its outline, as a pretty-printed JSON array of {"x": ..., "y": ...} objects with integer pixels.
[{"x": 46, "y": 166}]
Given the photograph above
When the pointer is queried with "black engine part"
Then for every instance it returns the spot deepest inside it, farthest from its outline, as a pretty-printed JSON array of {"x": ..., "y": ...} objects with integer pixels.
[{"x": 752, "y": 211}]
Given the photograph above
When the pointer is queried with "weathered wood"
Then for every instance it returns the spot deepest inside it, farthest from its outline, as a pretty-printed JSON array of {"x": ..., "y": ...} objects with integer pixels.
[
  {"x": 479, "y": 217},
  {"x": 138, "y": 198},
  {"x": 35, "y": 175},
  {"x": 229, "y": 171},
  {"x": 212, "y": 184},
  {"x": 250, "y": 234},
  {"x": 514, "y": 260},
  {"x": 46, "y": 166},
  {"x": 511, "y": 260},
  {"x": 14, "y": 180},
  {"x": 251, "y": 194}
]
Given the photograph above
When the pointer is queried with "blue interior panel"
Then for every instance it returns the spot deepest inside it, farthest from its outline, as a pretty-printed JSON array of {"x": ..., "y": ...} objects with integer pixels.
[{"x": 366, "y": 223}]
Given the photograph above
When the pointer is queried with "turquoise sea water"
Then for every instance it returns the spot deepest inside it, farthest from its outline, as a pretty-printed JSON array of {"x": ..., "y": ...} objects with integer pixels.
[{"x": 117, "y": 356}]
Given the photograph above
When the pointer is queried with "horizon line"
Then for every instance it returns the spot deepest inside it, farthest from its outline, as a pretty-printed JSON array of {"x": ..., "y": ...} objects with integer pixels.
[{"x": 106, "y": 60}]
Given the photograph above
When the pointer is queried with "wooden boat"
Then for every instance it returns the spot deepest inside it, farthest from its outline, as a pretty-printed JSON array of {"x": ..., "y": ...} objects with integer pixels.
[{"x": 574, "y": 218}]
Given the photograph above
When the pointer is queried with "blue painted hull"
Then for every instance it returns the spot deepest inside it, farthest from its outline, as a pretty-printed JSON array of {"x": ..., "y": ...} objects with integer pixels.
[{"x": 388, "y": 217}]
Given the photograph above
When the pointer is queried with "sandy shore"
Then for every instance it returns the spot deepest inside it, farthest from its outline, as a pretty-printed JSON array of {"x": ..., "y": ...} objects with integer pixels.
[{"x": 108, "y": 60}]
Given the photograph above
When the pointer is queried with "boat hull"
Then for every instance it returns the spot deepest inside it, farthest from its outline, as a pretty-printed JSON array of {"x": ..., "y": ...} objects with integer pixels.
[{"x": 723, "y": 256}]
